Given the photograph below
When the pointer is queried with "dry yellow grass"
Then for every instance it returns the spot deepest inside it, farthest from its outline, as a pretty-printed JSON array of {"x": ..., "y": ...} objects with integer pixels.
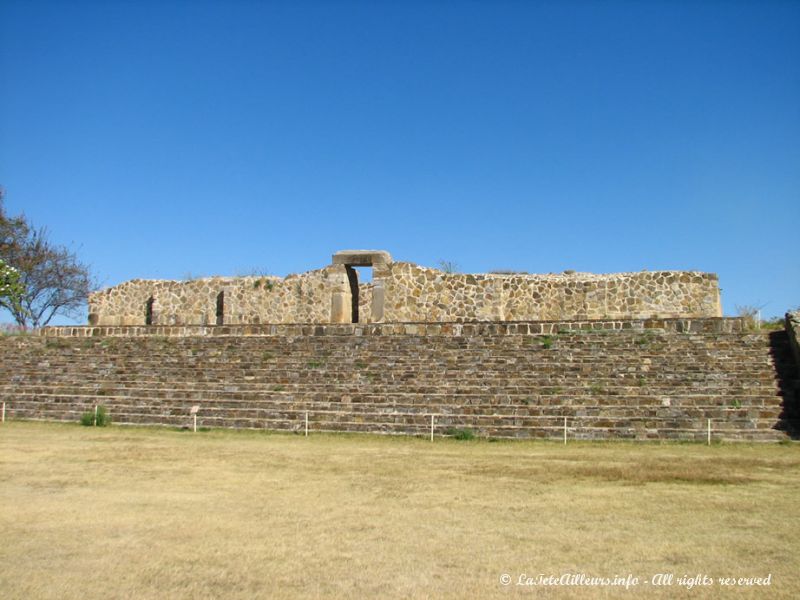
[{"x": 147, "y": 513}]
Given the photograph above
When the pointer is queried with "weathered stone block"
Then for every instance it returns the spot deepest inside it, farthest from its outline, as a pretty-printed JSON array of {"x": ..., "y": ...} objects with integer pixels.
[
  {"x": 361, "y": 258},
  {"x": 340, "y": 307}
]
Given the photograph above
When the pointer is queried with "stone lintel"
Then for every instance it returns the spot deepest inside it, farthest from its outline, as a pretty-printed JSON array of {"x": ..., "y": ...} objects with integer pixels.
[{"x": 361, "y": 258}]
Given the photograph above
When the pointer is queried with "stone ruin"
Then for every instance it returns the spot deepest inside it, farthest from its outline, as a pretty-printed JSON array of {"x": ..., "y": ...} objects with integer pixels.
[
  {"x": 509, "y": 355},
  {"x": 403, "y": 292}
]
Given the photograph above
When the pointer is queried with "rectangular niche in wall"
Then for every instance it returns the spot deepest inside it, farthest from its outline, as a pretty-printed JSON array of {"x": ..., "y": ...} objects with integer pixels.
[
  {"x": 148, "y": 311},
  {"x": 221, "y": 308}
]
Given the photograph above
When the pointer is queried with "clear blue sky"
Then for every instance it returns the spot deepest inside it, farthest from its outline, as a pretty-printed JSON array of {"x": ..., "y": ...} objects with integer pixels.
[{"x": 166, "y": 138}]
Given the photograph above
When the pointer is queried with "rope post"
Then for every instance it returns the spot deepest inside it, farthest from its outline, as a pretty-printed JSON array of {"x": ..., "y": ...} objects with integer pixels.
[
  {"x": 4, "y": 412},
  {"x": 565, "y": 431},
  {"x": 194, "y": 423},
  {"x": 431, "y": 427},
  {"x": 709, "y": 432},
  {"x": 95, "y": 416},
  {"x": 306, "y": 423}
]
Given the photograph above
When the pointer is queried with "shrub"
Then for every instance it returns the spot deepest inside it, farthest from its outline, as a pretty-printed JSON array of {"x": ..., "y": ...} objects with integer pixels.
[
  {"x": 461, "y": 434},
  {"x": 773, "y": 324},
  {"x": 448, "y": 266},
  {"x": 751, "y": 317},
  {"x": 266, "y": 283},
  {"x": 88, "y": 419}
]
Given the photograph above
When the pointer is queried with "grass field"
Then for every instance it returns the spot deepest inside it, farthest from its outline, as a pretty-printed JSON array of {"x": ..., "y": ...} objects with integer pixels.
[{"x": 148, "y": 513}]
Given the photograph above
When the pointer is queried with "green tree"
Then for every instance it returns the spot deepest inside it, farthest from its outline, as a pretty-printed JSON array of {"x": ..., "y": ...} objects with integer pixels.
[
  {"x": 10, "y": 287},
  {"x": 49, "y": 279}
]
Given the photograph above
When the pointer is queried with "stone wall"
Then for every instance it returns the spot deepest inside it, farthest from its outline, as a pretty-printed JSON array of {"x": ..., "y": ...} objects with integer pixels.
[
  {"x": 724, "y": 325},
  {"x": 415, "y": 293},
  {"x": 304, "y": 298},
  {"x": 405, "y": 292},
  {"x": 365, "y": 303}
]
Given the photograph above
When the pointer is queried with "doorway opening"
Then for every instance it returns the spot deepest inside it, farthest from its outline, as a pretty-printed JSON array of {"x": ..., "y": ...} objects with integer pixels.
[
  {"x": 148, "y": 311},
  {"x": 355, "y": 276},
  {"x": 221, "y": 308},
  {"x": 352, "y": 260},
  {"x": 352, "y": 278}
]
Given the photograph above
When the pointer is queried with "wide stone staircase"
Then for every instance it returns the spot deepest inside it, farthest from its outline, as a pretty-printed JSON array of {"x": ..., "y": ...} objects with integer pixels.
[{"x": 627, "y": 383}]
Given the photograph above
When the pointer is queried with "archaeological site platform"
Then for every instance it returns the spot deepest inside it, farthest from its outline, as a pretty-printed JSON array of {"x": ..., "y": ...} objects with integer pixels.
[{"x": 643, "y": 355}]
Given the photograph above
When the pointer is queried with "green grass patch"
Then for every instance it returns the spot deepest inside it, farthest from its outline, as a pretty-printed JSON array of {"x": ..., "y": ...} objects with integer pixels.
[{"x": 96, "y": 418}]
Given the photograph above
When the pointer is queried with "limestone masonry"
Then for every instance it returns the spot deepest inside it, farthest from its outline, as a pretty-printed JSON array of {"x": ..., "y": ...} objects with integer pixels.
[{"x": 405, "y": 292}]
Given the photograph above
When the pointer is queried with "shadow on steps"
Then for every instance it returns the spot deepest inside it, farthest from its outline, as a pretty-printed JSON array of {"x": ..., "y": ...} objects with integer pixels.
[{"x": 788, "y": 379}]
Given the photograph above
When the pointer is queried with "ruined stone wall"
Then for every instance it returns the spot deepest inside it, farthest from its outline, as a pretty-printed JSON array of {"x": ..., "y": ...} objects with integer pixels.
[
  {"x": 405, "y": 292},
  {"x": 415, "y": 293},
  {"x": 304, "y": 298}
]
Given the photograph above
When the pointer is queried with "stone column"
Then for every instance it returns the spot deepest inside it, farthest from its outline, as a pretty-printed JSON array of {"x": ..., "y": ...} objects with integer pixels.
[
  {"x": 341, "y": 309},
  {"x": 378, "y": 295}
]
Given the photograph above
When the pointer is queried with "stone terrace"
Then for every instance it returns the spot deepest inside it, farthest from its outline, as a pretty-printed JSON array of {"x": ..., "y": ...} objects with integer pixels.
[{"x": 646, "y": 379}]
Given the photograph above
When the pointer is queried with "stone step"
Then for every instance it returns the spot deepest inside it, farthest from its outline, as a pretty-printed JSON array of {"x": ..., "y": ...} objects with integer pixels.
[
  {"x": 511, "y": 395},
  {"x": 487, "y": 425},
  {"x": 412, "y": 402},
  {"x": 321, "y": 410},
  {"x": 610, "y": 385},
  {"x": 723, "y": 418}
]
